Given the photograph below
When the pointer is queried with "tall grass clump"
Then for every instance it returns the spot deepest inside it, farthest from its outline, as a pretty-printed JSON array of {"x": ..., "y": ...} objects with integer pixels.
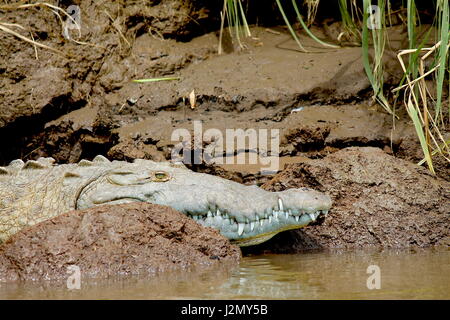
[
  {"x": 424, "y": 62},
  {"x": 443, "y": 55},
  {"x": 312, "y": 6},
  {"x": 424, "y": 104},
  {"x": 424, "y": 59},
  {"x": 351, "y": 18},
  {"x": 233, "y": 12}
]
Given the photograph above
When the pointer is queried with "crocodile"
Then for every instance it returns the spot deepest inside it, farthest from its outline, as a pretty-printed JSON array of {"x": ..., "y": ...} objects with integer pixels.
[{"x": 37, "y": 190}]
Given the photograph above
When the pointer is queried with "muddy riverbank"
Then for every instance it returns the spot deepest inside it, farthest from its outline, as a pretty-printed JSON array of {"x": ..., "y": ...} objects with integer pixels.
[{"x": 81, "y": 101}]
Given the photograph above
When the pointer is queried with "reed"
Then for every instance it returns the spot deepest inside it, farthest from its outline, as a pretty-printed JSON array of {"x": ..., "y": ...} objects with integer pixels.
[
  {"x": 233, "y": 12},
  {"x": 375, "y": 71},
  {"x": 427, "y": 106},
  {"x": 351, "y": 19}
]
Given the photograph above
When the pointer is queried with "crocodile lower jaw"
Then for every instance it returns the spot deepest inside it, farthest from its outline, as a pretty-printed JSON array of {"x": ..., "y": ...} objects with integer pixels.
[
  {"x": 257, "y": 231},
  {"x": 251, "y": 231}
]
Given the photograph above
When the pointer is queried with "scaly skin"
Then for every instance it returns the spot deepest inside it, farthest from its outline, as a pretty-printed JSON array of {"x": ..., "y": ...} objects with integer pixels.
[{"x": 38, "y": 190}]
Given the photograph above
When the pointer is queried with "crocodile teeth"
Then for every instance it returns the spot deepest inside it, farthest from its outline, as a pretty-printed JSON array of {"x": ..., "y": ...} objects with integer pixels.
[
  {"x": 312, "y": 216},
  {"x": 275, "y": 215},
  {"x": 31, "y": 164},
  {"x": 85, "y": 163},
  {"x": 218, "y": 212},
  {"x": 101, "y": 158},
  {"x": 209, "y": 214},
  {"x": 297, "y": 218},
  {"x": 252, "y": 226},
  {"x": 49, "y": 161},
  {"x": 280, "y": 204},
  {"x": 241, "y": 228},
  {"x": 16, "y": 164},
  {"x": 270, "y": 219},
  {"x": 286, "y": 214}
]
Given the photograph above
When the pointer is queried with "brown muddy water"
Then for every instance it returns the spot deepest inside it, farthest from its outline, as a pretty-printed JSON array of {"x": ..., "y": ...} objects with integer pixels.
[{"x": 404, "y": 274}]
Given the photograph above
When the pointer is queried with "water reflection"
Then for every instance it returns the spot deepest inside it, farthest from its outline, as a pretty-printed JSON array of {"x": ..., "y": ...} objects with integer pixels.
[{"x": 405, "y": 274}]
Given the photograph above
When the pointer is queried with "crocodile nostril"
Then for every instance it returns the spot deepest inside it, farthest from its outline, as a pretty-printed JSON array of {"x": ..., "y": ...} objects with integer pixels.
[{"x": 149, "y": 197}]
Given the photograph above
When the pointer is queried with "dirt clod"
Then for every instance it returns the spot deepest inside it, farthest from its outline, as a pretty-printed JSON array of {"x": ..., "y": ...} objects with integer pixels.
[
  {"x": 135, "y": 238},
  {"x": 378, "y": 201}
]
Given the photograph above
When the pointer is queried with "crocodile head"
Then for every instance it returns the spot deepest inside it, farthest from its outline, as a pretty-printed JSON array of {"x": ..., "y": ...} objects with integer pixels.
[{"x": 247, "y": 215}]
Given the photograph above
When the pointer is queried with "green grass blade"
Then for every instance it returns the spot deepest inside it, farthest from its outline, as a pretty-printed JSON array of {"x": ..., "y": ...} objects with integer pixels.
[
  {"x": 420, "y": 133},
  {"x": 237, "y": 22},
  {"x": 444, "y": 145},
  {"x": 230, "y": 17},
  {"x": 415, "y": 56},
  {"x": 244, "y": 20},
  {"x": 412, "y": 34},
  {"x": 442, "y": 56},
  {"x": 299, "y": 17},
  {"x": 365, "y": 49},
  {"x": 411, "y": 23},
  {"x": 347, "y": 20},
  {"x": 291, "y": 30}
]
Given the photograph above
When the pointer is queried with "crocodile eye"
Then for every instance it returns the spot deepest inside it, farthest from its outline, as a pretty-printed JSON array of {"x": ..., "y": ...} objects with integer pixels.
[{"x": 160, "y": 176}]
